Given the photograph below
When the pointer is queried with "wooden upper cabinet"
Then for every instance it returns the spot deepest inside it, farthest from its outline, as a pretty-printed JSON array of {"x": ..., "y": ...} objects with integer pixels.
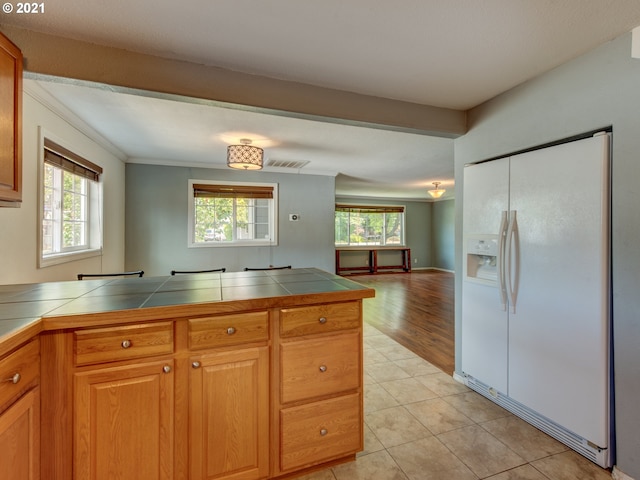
[{"x": 10, "y": 123}]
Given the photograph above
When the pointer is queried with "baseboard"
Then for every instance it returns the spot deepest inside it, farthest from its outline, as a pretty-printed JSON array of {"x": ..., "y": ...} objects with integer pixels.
[
  {"x": 600, "y": 456},
  {"x": 618, "y": 475},
  {"x": 432, "y": 268}
]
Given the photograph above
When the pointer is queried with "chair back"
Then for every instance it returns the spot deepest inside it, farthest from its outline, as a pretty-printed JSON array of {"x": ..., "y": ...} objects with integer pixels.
[
  {"x": 248, "y": 269},
  {"x": 174, "y": 272},
  {"x": 136, "y": 273}
]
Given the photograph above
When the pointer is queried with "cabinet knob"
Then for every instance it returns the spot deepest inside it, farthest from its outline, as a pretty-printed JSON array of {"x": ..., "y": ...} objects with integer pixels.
[
  {"x": 126, "y": 343},
  {"x": 323, "y": 432},
  {"x": 195, "y": 364},
  {"x": 14, "y": 379},
  {"x": 322, "y": 320},
  {"x": 231, "y": 331},
  {"x": 166, "y": 369},
  {"x": 323, "y": 368}
]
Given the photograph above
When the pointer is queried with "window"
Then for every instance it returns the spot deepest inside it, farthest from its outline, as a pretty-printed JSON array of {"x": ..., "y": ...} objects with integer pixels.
[
  {"x": 231, "y": 214},
  {"x": 70, "y": 206},
  {"x": 369, "y": 225}
]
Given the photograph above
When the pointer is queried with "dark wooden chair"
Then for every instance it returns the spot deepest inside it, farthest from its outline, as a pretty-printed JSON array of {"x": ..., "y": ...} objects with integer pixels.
[
  {"x": 174, "y": 272},
  {"x": 136, "y": 273},
  {"x": 248, "y": 269}
]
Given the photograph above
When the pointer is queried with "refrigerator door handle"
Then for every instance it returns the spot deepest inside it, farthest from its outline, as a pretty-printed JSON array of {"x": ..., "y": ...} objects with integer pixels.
[
  {"x": 512, "y": 257},
  {"x": 502, "y": 236}
]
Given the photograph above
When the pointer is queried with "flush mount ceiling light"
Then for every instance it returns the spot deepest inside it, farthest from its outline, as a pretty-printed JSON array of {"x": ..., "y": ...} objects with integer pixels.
[
  {"x": 436, "y": 193},
  {"x": 244, "y": 156}
]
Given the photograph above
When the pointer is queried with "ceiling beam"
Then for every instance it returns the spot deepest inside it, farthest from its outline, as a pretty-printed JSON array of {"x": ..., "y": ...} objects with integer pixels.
[{"x": 62, "y": 57}]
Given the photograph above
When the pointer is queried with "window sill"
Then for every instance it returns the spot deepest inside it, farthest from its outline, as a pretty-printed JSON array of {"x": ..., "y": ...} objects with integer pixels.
[
  {"x": 60, "y": 258},
  {"x": 265, "y": 243}
]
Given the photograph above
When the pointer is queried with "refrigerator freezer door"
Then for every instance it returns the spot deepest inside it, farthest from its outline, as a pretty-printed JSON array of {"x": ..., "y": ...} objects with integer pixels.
[
  {"x": 484, "y": 319},
  {"x": 559, "y": 334}
]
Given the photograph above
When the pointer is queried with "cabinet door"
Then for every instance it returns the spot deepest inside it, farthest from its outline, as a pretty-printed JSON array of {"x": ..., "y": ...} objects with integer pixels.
[
  {"x": 20, "y": 438},
  {"x": 229, "y": 415},
  {"x": 124, "y": 422},
  {"x": 10, "y": 122}
]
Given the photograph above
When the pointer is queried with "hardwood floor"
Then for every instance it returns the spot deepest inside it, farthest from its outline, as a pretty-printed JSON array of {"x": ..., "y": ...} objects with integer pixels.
[{"x": 416, "y": 310}]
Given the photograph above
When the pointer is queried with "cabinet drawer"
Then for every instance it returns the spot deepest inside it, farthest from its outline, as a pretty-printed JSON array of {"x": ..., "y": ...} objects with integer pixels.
[
  {"x": 223, "y": 330},
  {"x": 19, "y": 371},
  {"x": 319, "y": 319},
  {"x": 320, "y": 431},
  {"x": 99, "y": 345},
  {"x": 319, "y": 367}
]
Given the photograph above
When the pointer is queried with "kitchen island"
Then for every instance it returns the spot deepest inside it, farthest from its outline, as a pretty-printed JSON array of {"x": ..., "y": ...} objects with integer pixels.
[{"x": 238, "y": 375}]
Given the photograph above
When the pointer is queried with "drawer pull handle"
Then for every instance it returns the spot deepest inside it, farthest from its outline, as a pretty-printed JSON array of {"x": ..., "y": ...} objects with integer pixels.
[
  {"x": 166, "y": 369},
  {"x": 195, "y": 364},
  {"x": 231, "y": 331},
  {"x": 323, "y": 368},
  {"x": 14, "y": 379},
  {"x": 322, "y": 320},
  {"x": 126, "y": 343},
  {"x": 323, "y": 432}
]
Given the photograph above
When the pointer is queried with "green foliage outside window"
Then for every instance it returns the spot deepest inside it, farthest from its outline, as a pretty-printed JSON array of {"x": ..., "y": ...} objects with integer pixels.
[{"x": 357, "y": 226}]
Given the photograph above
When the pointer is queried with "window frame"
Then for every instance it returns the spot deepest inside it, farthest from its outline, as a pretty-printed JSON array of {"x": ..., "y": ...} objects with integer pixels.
[
  {"x": 383, "y": 209},
  {"x": 94, "y": 207},
  {"x": 273, "y": 216}
]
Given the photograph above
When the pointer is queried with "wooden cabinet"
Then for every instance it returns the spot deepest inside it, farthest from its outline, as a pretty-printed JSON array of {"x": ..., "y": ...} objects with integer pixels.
[
  {"x": 238, "y": 395},
  {"x": 10, "y": 123},
  {"x": 319, "y": 402},
  {"x": 229, "y": 415},
  {"x": 20, "y": 414},
  {"x": 123, "y": 422}
]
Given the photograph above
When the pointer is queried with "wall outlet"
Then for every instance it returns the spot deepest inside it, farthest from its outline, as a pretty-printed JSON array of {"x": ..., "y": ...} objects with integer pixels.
[
  {"x": 415, "y": 260},
  {"x": 294, "y": 217}
]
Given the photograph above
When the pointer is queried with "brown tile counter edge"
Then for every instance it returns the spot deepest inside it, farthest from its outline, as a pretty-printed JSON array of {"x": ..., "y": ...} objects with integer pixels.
[
  {"x": 12, "y": 337},
  {"x": 148, "y": 314}
]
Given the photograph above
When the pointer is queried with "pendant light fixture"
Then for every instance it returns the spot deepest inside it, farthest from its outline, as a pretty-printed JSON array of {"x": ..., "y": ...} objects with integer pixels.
[
  {"x": 436, "y": 192},
  {"x": 244, "y": 156}
]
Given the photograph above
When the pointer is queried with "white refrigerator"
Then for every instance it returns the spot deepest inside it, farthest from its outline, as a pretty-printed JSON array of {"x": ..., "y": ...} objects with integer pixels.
[{"x": 536, "y": 323}]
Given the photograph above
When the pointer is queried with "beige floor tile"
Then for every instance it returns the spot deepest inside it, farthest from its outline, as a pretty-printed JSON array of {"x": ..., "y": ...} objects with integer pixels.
[
  {"x": 438, "y": 416},
  {"x": 397, "y": 352},
  {"x": 527, "y": 441},
  {"x": 320, "y": 475},
  {"x": 375, "y": 466},
  {"x": 367, "y": 379},
  {"x": 570, "y": 466},
  {"x": 484, "y": 454},
  {"x": 385, "y": 372},
  {"x": 443, "y": 384},
  {"x": 428, "y": 459},
  {"x": 395, "y": 426},
  {"x": 369, "y": 330},
  {"x": 525, "y": 472},
  {"x": 408, "y": 390},
  {"x": 417, "y": 366},
  {"x": 377, "y": 398},
  {"x": 379, "y": 341},
  {"x": 371, "y": 442},
  {"x": 373, "y": 357},
  {"x": 476, "y": 407}
]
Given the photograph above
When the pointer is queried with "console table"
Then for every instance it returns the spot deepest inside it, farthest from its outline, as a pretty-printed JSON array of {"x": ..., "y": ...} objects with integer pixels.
[{"x": 371, "y": 264}]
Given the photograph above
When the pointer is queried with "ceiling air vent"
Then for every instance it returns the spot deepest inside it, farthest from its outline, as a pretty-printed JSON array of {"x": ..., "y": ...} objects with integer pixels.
[{"x": 295, "y": 164}]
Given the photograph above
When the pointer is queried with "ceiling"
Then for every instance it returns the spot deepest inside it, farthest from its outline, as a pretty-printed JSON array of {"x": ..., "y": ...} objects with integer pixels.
[{"x": 452, "y": 54}]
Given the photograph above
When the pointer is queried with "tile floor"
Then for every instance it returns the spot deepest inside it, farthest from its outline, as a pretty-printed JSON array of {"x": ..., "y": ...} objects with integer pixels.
[{"x": 420, "y": 424}]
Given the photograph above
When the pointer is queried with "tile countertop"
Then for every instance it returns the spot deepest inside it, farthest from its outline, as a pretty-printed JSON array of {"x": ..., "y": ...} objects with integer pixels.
[{"x": 28, "y": 309}]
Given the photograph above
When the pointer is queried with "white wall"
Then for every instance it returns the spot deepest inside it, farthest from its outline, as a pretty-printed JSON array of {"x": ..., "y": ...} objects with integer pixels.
[
  {"x": 19, "y": 226},
  {"x": 599, "y": 89}
]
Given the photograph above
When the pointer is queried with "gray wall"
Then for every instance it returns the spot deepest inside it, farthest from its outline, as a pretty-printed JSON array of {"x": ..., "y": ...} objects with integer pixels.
[
  {"x": 417, "y": 226},
  {"x": 443, "y": 227},
  {"x": 156, "y": 221},
  {"x": 598, "y": 89}
]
